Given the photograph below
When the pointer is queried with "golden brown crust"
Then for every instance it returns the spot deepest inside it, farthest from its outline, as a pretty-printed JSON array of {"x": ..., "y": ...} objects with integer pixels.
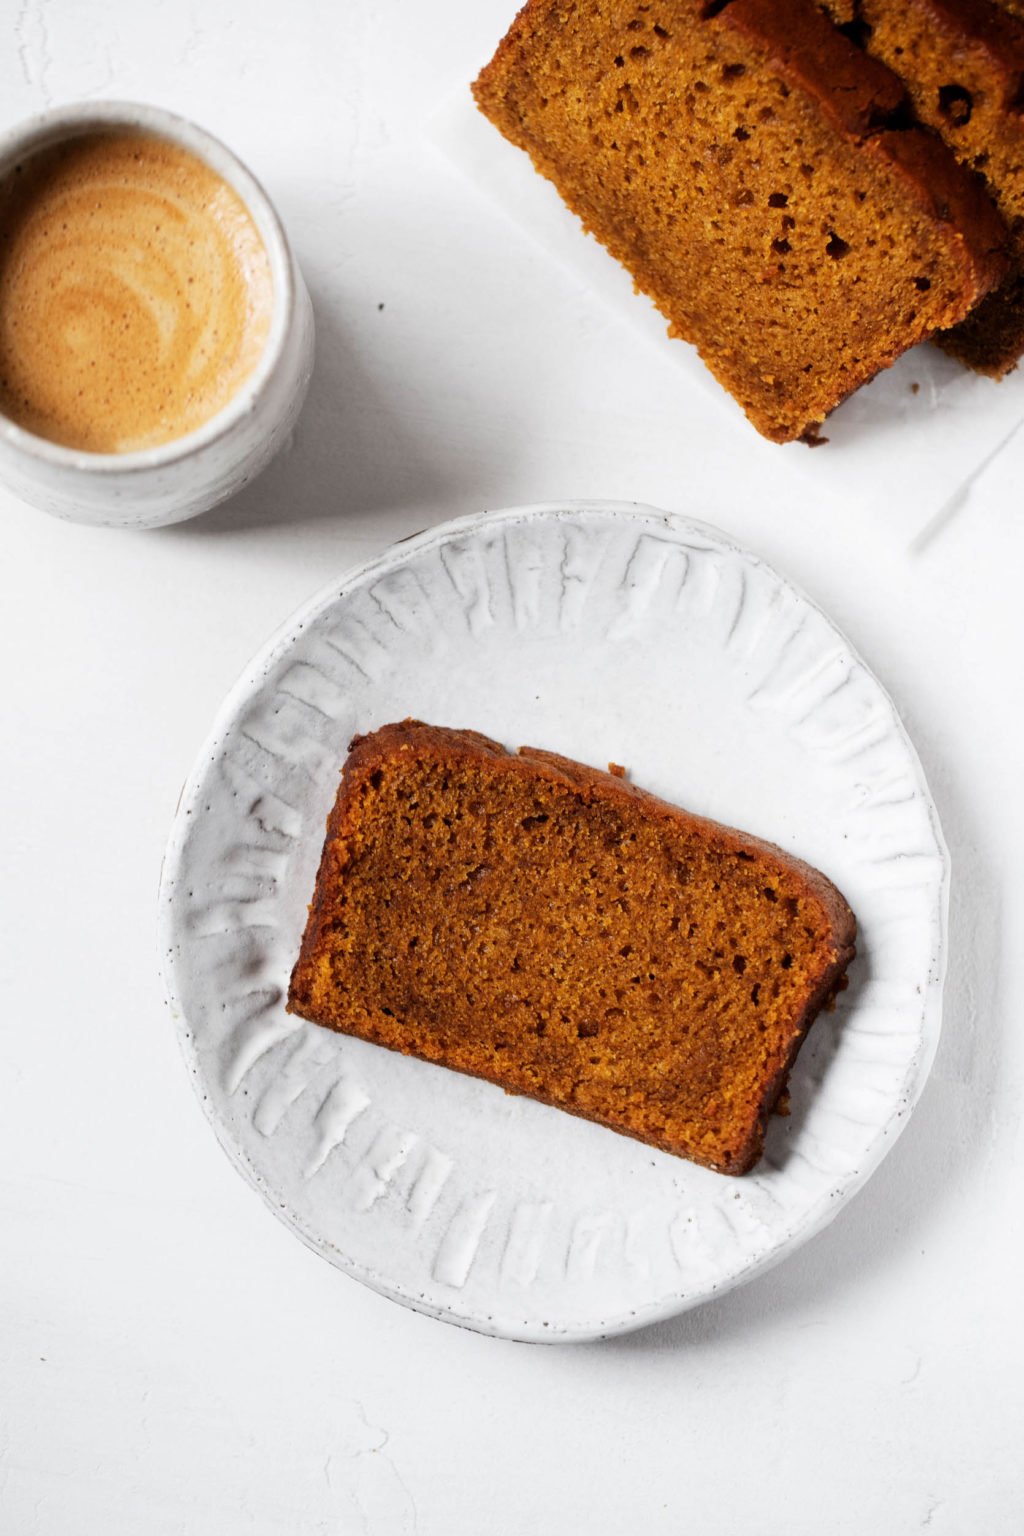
[{"x": 418, "y": 1020}]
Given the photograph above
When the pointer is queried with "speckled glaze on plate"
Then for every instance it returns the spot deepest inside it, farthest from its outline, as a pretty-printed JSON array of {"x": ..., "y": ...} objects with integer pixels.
[{"x": 606, "y": 632}]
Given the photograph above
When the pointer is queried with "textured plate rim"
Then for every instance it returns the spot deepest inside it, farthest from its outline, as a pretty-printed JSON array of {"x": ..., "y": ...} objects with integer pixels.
[{"x": 816, "y": 1218}]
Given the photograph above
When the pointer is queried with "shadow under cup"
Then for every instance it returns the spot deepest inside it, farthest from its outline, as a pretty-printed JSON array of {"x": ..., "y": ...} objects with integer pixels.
[{"x": 152, "y": 486}]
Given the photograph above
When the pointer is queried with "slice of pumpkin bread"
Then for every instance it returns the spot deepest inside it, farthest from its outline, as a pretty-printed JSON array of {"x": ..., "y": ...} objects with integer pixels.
[
  {"x": 755, "y": 172},
  {"x": 962, "y": 62},
  {"x": 555, "y": 930}
]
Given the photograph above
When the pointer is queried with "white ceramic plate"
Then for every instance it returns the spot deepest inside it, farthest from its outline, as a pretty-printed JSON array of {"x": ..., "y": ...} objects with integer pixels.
[{"x": 608, "y": 633}]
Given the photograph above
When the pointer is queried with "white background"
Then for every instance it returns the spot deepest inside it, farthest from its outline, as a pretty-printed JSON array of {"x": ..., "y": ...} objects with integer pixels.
[{"x": 171, "y": 1359}]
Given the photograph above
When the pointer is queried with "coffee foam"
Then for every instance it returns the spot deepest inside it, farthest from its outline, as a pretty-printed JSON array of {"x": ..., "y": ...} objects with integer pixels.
[{"x": 135, "y": 293}]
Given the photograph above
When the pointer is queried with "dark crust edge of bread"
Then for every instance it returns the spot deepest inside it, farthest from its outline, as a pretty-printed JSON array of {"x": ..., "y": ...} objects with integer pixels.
[
  {"x": 982, "y": 24},
  {"x": 808, "y": 50},
  {"x": 990, "y": 340},
  {"x": 855, "y": 91},
  {"x": 366, "y": 753}
]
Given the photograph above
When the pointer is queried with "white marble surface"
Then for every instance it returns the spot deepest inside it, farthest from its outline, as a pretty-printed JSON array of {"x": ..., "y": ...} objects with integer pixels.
[{"x": 172, "y": 1360}]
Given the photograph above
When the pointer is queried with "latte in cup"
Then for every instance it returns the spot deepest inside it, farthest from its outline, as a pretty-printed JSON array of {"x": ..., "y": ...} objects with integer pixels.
[{"x": 135, "y": 292}]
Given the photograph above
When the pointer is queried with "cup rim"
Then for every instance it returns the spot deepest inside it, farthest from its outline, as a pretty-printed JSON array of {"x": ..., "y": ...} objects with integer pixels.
[{"x": 79, "y": 118}]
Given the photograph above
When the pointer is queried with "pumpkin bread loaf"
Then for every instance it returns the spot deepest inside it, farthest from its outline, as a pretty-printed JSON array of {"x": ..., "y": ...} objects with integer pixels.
[
  {"x": 963, "y": 65},
  {"x": 567, "y": 936},
  {"x": 757, "y": 174}
]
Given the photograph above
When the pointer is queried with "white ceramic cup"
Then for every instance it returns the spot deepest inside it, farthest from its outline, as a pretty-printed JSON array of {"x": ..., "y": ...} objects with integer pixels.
[{"x": 178, "y": 479}]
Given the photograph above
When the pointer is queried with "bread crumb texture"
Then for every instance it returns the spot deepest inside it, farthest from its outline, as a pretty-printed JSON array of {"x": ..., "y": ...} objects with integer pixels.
[
  {"x": 962, "y": 62},
  {"x": 759, "y": 176}
]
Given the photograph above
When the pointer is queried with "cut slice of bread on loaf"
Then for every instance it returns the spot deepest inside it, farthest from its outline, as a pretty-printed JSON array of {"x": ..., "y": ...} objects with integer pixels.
[
  {"x": 555, "y": 930},
  {"x": 962, "y": 62},
  {"x": 756, "y": 173}
]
